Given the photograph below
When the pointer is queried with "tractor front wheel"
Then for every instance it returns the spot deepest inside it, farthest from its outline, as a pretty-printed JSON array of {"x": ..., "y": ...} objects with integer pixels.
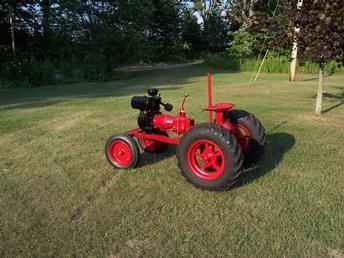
[
  {"x": 122, "y": 151},
  {"x": 210, "y": 157}
]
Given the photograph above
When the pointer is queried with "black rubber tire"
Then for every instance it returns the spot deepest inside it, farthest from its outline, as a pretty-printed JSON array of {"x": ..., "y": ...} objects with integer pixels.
[
  {"x": 133, "y": 147},
  {"x": 233, "y": 158},
  {"x": 257, "y": 130}
]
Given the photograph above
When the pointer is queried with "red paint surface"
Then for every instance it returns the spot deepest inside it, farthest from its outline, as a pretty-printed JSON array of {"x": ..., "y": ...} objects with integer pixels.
[
  {"x": 143, "y": 136},
  {"x": 177, "y": 124},
  {"x": 120, "y": 153},
  {"x": 210, "y": 97},
  {"x": 206, "y": 159}
]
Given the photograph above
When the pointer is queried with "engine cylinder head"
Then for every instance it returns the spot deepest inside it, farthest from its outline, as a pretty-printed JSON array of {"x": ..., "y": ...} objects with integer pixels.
[{"x": 144, "y": 103}]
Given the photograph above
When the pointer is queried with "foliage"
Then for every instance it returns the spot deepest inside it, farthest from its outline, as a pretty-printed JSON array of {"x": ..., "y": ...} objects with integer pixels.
[
  {"x": 274, "y": 29},
  {"x": 192, "y": 34},
  {"x": 30, "y": 73},
  {"x": 242, "y": 45},
  {"x": 206, "y": 8},
  {"x": 92, "y": 38},
  {"x": 97, "y": 36},
  {"x": 222, "y": 61},
  {"x": 322, "y": 37},
  {"x": 275, "y": 62},
  {"x": 322, "y": 29},
  {"x": 215, "y": 32}
]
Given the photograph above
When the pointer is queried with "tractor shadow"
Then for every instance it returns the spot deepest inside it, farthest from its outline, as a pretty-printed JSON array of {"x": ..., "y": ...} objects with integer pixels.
[
  {"x": 153, "y": 158},
  {"x": 277, "y": 145}
]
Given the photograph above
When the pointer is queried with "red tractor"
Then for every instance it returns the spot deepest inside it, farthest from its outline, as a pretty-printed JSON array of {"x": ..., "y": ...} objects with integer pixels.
[{"x": 210, "y": 155}]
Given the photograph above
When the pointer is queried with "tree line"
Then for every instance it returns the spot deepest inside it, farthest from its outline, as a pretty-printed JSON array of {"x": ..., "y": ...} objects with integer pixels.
[
  {"x": 43, "y": 41},
  {"x": 88, "y": 38}
]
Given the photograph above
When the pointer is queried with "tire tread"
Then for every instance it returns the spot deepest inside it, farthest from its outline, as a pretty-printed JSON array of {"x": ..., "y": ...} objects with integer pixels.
[{"x": 224, "y": 137}]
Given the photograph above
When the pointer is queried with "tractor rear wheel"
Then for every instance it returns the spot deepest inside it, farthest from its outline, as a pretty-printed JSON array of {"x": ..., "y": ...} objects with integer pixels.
[
  {"x": 210, "y": 157},
  {"x": 122, "y": 151},
  {"x": 251, "y": 134}
]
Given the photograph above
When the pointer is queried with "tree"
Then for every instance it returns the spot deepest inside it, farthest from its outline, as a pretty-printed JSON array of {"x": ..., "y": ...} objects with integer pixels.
[
  {"x": 13, "y": 17},
  {"x": 240, "y": 12},
  {"x": 214, "y": 25},
  {"x": 88, "y": 38},
  {"x": 192, "y": 33},
  {"x": 322, "y": 37},
  {"x": 242, "y": 45},
  {"x": 260, "y": 21},
  {"x": 294, "y": 51},
  {"x": 215, "y": 32},
  {"x": 206, "y": 7},
  {"x": 12, "y": 25},
  {"x": 165, "y": 27},
  {"x": 322, "y": 32},
  {"x": 272, "y": 22}
]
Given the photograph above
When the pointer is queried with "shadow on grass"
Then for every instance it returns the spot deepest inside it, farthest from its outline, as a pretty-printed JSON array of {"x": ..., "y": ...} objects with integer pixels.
[
  {"x": 310, "y": 79},
  {"x": 137, "y": 83},
  {"x": 152, "y": 158},
  {"x": 278, "y": 144},
  {"x": 35, "y": 104},
  {"x": 337, "y": 97}
]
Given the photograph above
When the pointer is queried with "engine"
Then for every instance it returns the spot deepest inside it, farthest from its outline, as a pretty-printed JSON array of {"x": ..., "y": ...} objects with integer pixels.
[{"x": 151, "y": 120}]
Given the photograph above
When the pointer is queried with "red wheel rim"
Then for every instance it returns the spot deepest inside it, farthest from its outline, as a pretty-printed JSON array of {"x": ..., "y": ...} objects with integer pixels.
[
  {"x": 206, "y": 159},
  {"x": 120, "y": 153}
]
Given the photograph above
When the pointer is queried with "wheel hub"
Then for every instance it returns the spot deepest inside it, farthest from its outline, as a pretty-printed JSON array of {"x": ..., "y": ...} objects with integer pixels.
[
  {"x": 206, "y": 159},
  {"x": 120, "y": 152}
]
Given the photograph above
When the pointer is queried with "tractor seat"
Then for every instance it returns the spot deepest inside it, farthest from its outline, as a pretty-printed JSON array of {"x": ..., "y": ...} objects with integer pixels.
[{"x": 220, "y": 107}]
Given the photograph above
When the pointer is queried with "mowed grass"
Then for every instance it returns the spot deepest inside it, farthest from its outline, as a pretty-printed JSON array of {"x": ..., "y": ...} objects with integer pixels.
[{"x": 60, "y": 198}]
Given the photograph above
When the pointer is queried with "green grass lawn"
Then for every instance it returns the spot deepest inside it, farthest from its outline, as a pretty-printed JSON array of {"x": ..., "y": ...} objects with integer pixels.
[{"x": 60, "y": 198}]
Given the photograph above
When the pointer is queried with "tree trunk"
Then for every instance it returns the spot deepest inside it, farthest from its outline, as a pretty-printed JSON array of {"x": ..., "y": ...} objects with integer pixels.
[
  {"x": 13, "y": 40},
  {"x": 251, "y": 12},
  {"x": 293, "y": 63},
  {"x": 294, "y": 51},
  {"x": 318, "y": 106},
  {"x": 46, "y": 19}
]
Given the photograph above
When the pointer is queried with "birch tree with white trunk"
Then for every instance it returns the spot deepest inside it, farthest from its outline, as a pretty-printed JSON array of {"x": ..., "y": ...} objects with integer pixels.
[
  {"x": 322, "y": 37},
  {"x": 294, "y": 51}
]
